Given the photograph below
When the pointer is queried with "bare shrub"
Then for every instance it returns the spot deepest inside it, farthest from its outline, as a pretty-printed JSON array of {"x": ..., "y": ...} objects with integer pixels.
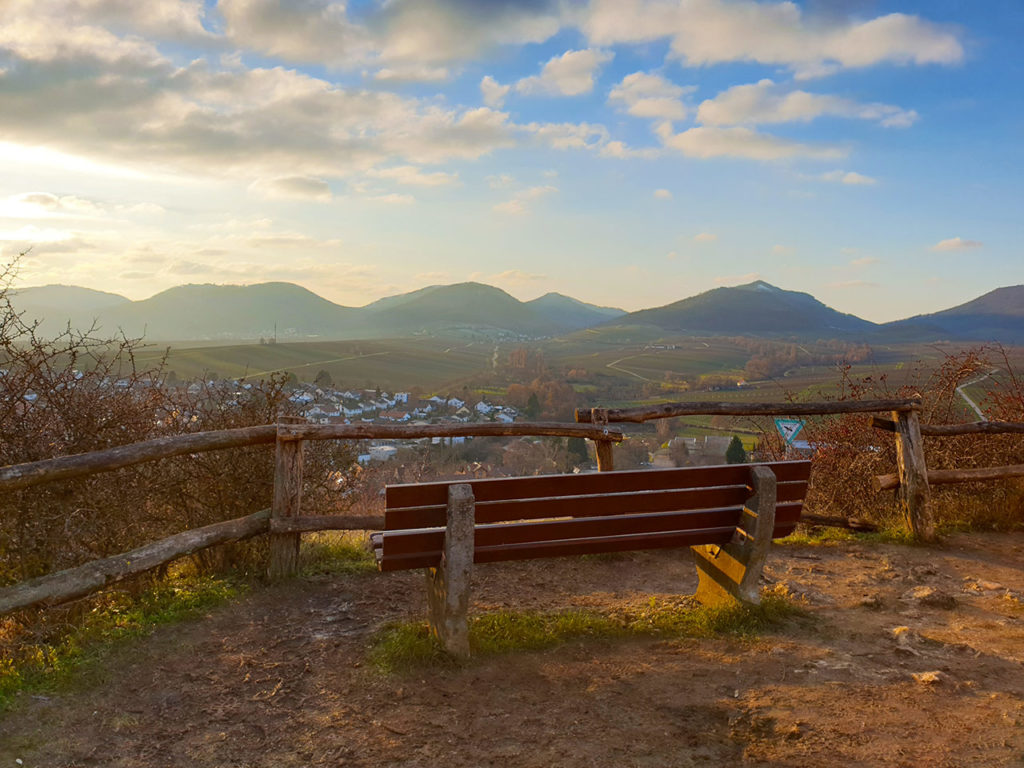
[
  {"x": 849, "y": 452},
  {"x": 79, "y": 392}
]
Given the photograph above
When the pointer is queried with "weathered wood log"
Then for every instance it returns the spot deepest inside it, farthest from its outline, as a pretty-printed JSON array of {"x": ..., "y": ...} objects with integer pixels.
[
  {"x": 948, "y": 430},
  {"x": 284, "y": 547},
  {"x": 62, "y": 586},
  {"x": 913, "y": 473},
  {"x": 17, "y": 476},
  {"x": 306, "y": 523},
  {"x": 448, "y": 585},
  {"x": 415, "y": 431},
  {"x": 671, "y": 410},
  {"x": 605, "y": 458},
  {"x": 602, "y": 447},
  {"x": 950, "y": 476}
]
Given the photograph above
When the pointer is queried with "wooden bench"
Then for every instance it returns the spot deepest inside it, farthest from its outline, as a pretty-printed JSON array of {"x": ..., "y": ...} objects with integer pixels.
[{"x": 728, "y": 514}]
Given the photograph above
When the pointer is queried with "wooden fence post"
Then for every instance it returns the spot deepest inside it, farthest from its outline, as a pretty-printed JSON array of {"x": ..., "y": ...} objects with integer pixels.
[
  {"x": 605, "y": 462},
  {"x": 284, "y": 547},
  {"x": 915, "y": 495}
]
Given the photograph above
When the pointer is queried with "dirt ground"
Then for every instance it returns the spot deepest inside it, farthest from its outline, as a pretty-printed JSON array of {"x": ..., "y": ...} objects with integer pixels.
[{"x": 911, "y": 657}]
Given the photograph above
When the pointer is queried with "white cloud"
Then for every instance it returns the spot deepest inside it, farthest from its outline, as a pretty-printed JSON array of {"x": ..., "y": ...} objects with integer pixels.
[
  {"x": 493, "y": 92},
  {"x": 774, "y": 33},
  {"x": 569, "y": 135},
  {"x": 709, "y": 141},
  {"x": 131, "y": 106},
  {"x": 518, "y": 204},
  {"x": 781, "y": 250},
  {"x": 500, "y": 180},
  {"x": 662, "y": 194},
  {"x": 705, "y": 237},
  {"x": 766, "y": 102},
  {"x": 393, "y": 198},
  {"x": 431, "y": 31},
  {"x": 412, "y": 73},
  {"x": 294, "y": 187},
  {"x": 621, "y": 151},
  {"x": 313, "y": 31},
  {"x": 517, "y": 276},
  {"x": 848, "y": 177},
  {"x": 956, "y": 244},
  {"x": 177, "y": 20},
  {"x": 650, "y": 96},
  {"x": 571, "y": 74},
  {"x": 410, "y": 175},
  {"x": 43, "y": 205},
  {"x": 864, "y": 261}
]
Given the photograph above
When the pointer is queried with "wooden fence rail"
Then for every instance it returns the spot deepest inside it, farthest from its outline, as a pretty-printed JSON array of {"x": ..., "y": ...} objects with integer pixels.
[
  {"x": 671, "y": 410},
  {"x": 953, "y": 430},
  {"x": 914, "y": 492},
  {"x": 948, "y": 476},
  {"x": 283, "y": 521},
  {"x": 17, "y": 476},
  {"x": 913, "y": 479}
]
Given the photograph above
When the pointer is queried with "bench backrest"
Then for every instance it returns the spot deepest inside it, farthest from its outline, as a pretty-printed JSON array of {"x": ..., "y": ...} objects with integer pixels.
[{"x": 550, "y": 515}]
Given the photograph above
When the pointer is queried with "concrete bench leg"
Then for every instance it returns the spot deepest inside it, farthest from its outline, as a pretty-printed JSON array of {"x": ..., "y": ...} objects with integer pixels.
[
  {"x": 732, "y": 573},
  {"x": 448, "y": 585}
]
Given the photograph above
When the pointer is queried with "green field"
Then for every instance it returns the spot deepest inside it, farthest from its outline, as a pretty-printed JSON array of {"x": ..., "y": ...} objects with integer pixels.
[
  {"x": 391, "y": 364},
  {"x": 620, "y": 360}
]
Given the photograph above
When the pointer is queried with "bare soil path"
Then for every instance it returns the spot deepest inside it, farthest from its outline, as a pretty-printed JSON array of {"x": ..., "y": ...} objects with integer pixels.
[{"x": 911, "y": 657}]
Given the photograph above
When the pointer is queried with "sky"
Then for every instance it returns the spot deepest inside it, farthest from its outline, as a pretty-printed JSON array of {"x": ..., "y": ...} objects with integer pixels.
[{"x": 627, "y": 153}]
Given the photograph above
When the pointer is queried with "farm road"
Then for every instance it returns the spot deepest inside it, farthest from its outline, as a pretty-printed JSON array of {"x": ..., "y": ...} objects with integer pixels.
[{"x": 314, "y": 364}]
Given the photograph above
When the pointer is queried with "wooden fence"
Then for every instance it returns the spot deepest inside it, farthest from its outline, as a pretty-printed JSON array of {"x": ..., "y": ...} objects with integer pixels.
[
  {"x": 919, "y": 478},
  {"x": 912, "y": 476},
  {"x": 284, "y": 521}
]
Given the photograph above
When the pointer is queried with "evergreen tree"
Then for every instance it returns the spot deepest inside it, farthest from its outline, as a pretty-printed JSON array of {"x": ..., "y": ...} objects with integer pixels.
[
  {"x": 735, "y": 454},
  {"x": 532, "y": 406},
  {"x": 577, "y": 450}
]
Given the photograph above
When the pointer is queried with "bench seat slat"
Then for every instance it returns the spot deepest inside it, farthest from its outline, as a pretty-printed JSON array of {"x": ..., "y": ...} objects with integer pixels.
[
  {"x": 497, "y": 489},
  {"x": 533, "y": 550},
  {"x": 590, "y": 505},
  {"x": 504, "y": 534},
  {"x": 579, "y": 547}
]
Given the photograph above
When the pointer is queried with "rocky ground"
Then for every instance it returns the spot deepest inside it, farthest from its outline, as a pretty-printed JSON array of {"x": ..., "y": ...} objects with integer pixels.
[{"x": 909, "y": 657}]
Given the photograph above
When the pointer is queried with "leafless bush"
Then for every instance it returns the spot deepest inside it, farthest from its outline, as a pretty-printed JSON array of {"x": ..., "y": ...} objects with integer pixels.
[
  {"x": 80, "y": 392},
  {"x": 849, "y": 452}
]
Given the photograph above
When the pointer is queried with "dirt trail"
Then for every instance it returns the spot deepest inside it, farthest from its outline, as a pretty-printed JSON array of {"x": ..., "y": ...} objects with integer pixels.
[{"x": 280, "y": 678}]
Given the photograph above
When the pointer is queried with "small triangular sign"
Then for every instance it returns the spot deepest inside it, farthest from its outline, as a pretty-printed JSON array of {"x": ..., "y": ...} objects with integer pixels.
[{"x": 789, "y": 429}]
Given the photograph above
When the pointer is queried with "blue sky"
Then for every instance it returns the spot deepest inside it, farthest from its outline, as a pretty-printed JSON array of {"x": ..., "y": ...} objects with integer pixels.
[{"x": 627, "y": 153}]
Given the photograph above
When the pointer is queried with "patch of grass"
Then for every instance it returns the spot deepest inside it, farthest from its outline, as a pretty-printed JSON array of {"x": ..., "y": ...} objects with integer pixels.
[
  {"x": 825, "y": 536},
  {"x": 33, "y": 665},
  {"x": 337, "y": 553},
  {"x": 409, "y": 645}
]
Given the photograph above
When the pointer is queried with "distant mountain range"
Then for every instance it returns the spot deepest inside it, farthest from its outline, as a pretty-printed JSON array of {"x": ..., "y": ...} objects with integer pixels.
[
  {"x": 200, "y": 312},
  {"x": 758, "y": 308}
]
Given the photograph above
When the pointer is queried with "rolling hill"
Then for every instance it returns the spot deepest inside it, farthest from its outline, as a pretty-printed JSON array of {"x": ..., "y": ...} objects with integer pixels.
[
  {"x": 478, "y": 311},
  {"x": 231, "y": 312},
  {"x": 54, "y": 306},
  {"x": 996, "y": 316},
  {"x": 757, "y": 308}
]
